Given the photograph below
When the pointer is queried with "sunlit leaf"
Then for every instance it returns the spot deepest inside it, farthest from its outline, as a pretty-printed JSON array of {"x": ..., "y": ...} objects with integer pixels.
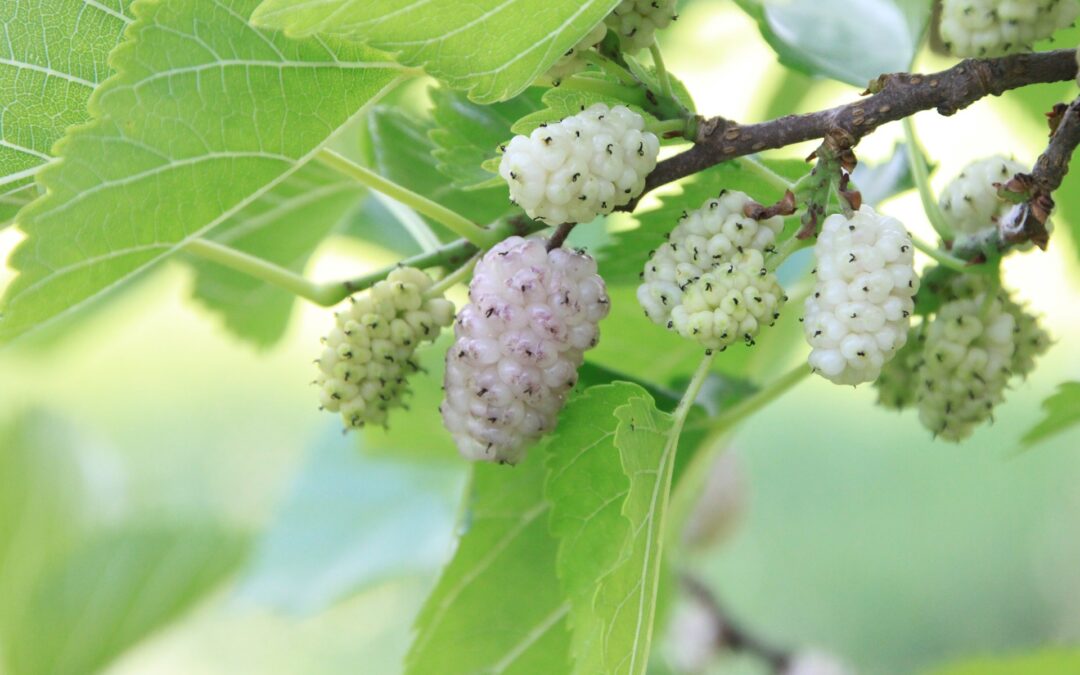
[
  {"x": 1048, "y": 662},
  {"x": 350, "y": 521},
  {"x": 498, "y": 607},
  {"x": 1062, "y": 411},
  {"x": 204, "y": 116},
  {"x": 492, "y": 48},
  {"x": 116, "y": 589}
]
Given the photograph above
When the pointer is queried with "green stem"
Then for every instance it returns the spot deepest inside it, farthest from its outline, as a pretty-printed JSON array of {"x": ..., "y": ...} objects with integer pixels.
[
  {"x": 753, "y": 165},
  {"x": 667, "y": 466},
  {"x": 453, "y": 220},
  {"x": 661, "y": 69},
  {"x": 943, "y": 258},
  {"x": 630, "y": 94},
  {"x": 610, "y": 67},
  {"x": 258, "y": 268},
  {"x": 921, "y": 173},
  {"x": 454, "y": 278},
  {"x": 784, "y": 251},
  {"x": 664, "y": 127},
  {"x": 696, "y": 473}
]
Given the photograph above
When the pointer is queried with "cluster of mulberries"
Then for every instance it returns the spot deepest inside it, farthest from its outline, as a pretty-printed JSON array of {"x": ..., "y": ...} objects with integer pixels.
[
  {"x": 532, "y": 315},
  {"x": 996, "y": 27},
  {"x": 709, "y": 281},
  {"x": 859, "y": 314},
  {"x": 970, "y": 202},
  {"x": 965, "y": 368},
  {"x": 572, "y": 61},
  {"x": 368, "y": 355},
  {"x": 636, "y": 21},
  {"x": 957, "y": 365},
  {"x": 584, "y": 166}
]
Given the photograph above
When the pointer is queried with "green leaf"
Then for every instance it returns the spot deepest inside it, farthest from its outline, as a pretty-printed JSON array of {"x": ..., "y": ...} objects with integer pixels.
[
  {"x": 619, "y": 631},
  {"x": 115, "y": 590},
  {"x": 852, "y": 42},
  {"x": 468, "y": 134},
  {"x": 52, "y": 57},
  {"x": 404, "y": 153},
  {"x": 492, "y": 48},
  {"x": 498, "y": 607},
  {"x": 351, "y": 521},
  {"x": 43, "y": 506},
  {"x": 879, "y": 182},
  {"x": 622, "y": 261},
  {"x": 1048, "y": 662},
  {"x": 283, "y": 226},
  {"x": 204, "y": 116},
  {"x": 1062, "y": 411}
]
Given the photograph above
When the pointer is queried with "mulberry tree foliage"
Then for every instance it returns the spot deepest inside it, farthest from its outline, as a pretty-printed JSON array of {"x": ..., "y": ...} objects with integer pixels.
[{"x": 242, "y": 138}]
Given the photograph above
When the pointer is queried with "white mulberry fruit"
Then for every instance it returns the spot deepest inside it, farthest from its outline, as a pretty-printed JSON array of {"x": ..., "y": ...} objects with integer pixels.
[
  {"x": 1029, "y": 337},
  {"x": 572, "y": 61},
  {"x": 584, "y": 166},
  {"x": 531, "y": 317},
  {"x": 996, "y": 27},
  {"x": 969, "y": 349},
  {"x": 897, "y": 386},
  {"x": 708, "y": 282},
  {"x": 860, "y": 311},
  {"x": 970, "y": 202},
  {"x": 636, "y": 21},
  {"x": 367, "y": 358}
]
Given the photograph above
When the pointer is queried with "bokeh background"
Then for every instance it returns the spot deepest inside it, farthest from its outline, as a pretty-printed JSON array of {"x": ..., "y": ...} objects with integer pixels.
[{"x": 144, "y": 425}]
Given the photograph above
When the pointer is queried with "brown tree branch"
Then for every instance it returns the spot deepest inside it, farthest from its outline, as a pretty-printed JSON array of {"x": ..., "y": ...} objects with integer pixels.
[{"x": 894, "y": 97}]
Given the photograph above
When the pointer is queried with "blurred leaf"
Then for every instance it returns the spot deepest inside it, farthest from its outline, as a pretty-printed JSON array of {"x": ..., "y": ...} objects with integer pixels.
[
  {"x": 115, "y": 590},
  {"x": 878, "y": 182},
  {"x": 283, "y": 226},
  {"x": 467, "y": 134},
  {"x": 622, "y": 261},
  {"x": 492, "y": 48},
  {"x": 351, "y": 521},
  {"x": 498, "y": 607},
  {"x": 43, "y": 506},
  {"x": 173, "y": 153},
  {"x": 853, "y": 42},
  {"x": 1062, "y": 411},
  {"x": 1049, "y": 662},
  {"x": 404, "y": 153},
  {"x": 52, "y": 58}
]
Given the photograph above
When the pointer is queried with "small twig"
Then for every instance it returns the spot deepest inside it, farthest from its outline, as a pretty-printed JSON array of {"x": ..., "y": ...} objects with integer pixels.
[
  {"x": 731, "y": 635},
  {"x": 560, "y": 235}
]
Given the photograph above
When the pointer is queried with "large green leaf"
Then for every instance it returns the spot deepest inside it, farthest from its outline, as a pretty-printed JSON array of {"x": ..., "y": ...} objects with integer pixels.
[
  {"x": 492, "y": 48},
  {"x": 350, "y": 521},
  {"x": 853, "y": 42},
  {"x": 468, "y": 134},
  {"x": 604, "y": 472},
  {"x": 43, "y": 506},
  {"x": 283, "y": 226},
  {"x": 498, "y": 607},
  {"x": 1062, "y": 411},
  {"x": 1048, "y": 662},
  {"x": 113, "y": 591},
  {"x": 204, "y": 116},
  {"x": 52, "y": 57}
]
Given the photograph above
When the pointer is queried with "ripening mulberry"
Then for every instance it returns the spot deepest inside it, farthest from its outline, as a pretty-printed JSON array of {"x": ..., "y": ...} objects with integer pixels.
[
  {"x": 709, "y": 282},
  {"x": 969, "y": 349},
  {"x": 636, "y": 21},
  {"x": 579, "y": 168},
  {"x": 1029, "y": 337},
  {"x": 532, "y": 315},
  {"x": 859, "y": 314},
  {"x": 572, "y": 61},
  {"x": 970, "y": 202},
  {"x": 368, "y": 355},
  {"x": 897, "y": 386},
  {"x": 996, "y": 27}
]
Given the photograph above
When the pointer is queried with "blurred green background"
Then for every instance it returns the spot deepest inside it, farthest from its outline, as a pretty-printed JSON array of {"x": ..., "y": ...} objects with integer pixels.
[{"x": 154, "y": 467}]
